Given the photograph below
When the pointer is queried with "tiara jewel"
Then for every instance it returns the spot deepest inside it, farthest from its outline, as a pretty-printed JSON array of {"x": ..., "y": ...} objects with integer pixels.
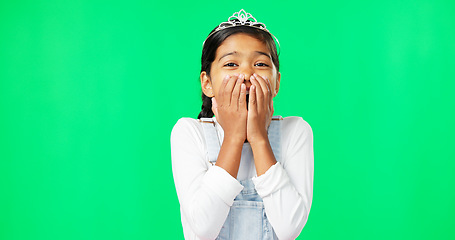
[{"x": 242, "y": 18}]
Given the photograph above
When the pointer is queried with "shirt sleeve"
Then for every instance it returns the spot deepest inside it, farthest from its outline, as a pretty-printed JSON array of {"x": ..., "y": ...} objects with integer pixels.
[
  {"x": 205, "y": 192},
  {"x": 287, "y": 188}
]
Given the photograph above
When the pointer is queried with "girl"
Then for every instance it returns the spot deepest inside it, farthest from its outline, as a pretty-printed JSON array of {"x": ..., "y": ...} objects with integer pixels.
[{"x": 239, "y": 172}]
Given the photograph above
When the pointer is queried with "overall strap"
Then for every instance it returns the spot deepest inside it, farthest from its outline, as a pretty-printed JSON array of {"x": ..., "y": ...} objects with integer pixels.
[
  {"x": 211, "y": 139},
  {"x": 274, "y": 133}
]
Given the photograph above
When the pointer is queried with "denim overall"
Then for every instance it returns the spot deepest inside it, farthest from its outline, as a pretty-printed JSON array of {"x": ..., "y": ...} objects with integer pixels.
[{"x": 247, "y": 218}]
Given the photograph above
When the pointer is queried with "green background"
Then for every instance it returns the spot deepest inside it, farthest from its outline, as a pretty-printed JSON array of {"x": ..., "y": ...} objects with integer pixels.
[{"x": 90, "y": 91}]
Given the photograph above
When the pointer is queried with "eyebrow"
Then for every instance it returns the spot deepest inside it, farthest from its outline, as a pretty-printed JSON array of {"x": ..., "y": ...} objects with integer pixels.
[
  {"x": 263, "y": 53},
  {"x": 236, "y": 53},
  {"x": 227, "y": 54}
]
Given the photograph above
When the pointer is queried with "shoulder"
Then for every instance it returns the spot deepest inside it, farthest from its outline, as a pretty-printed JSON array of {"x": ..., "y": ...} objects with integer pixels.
[
  {"x": 186, "y": 129},
  {"x": 187, "y": 139},
  {"x": 296, "y": 133},
  {"x": 296, "y": 125},
  {"x": 185, "y": 122}
]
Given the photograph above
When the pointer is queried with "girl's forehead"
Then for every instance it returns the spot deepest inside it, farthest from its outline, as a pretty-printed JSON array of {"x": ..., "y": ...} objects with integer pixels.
[{"x": 242, "y": 43}]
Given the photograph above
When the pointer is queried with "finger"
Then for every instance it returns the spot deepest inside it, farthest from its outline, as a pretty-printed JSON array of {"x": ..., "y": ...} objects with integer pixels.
[
  {"x": 252, "y": 101},
  {"x": 222, "y": 87},
  {"x": 242, "y": 98},
  {"x": 214, "y": 107},
  {"x": 269, "y": 85},
  {"x": 259, "y": 94},
  {"x": 272, "y": 109},
  {"x": 236, "y": 91},
  {"x": 265, "y": 87},
  {"x": 227, "y": 91}
]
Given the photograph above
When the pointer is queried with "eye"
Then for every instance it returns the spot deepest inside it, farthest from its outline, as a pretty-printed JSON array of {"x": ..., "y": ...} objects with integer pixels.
[
  {"x": 261, "y": 65},
  {"x": 231, "y": 64}
]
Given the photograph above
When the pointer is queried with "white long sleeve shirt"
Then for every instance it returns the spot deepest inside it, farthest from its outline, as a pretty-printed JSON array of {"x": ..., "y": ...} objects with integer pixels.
[{"x": 206, "y": 191}]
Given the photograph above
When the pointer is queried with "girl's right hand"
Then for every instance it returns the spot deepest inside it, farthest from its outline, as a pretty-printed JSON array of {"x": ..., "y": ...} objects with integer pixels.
[{"x": 229, "y": 107}]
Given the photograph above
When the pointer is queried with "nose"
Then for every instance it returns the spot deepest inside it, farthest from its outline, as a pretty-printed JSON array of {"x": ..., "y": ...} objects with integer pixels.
[
  {"x": 247, "y": 76},
  {"x": 248, "y": 72}
]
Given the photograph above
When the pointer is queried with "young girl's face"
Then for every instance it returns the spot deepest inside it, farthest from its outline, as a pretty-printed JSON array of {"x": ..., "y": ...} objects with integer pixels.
[{"x": 240, "y": 54}]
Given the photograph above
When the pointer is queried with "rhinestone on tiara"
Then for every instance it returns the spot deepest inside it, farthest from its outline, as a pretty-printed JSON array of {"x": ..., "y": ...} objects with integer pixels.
[{"x": 241, "y": 18}]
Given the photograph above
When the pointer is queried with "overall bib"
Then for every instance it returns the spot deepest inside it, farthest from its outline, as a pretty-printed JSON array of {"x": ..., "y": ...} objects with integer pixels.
[{"x": 247, "y": 218}]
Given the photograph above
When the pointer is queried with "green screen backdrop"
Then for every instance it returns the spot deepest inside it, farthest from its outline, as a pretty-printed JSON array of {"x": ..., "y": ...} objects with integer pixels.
[{"x": 90, "y": 91}]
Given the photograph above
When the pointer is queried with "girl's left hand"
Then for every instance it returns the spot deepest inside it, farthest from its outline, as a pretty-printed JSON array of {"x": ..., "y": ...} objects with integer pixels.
[{"x": 260, "y": 109}]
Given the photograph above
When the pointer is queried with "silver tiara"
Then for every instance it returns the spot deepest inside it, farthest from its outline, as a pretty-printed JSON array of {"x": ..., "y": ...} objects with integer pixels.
[{"x": 241, "y": 18}]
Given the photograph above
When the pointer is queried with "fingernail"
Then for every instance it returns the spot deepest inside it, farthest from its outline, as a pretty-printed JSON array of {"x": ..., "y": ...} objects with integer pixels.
[
  {"x": 242, "y": 76},
  {"x": 252, "y": 77},
  {"x": 226, "y": 77}
]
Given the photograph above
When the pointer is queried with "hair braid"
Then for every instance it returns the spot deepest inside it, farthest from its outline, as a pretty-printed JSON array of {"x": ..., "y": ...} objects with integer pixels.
[{"x": 206, "y": 111}]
